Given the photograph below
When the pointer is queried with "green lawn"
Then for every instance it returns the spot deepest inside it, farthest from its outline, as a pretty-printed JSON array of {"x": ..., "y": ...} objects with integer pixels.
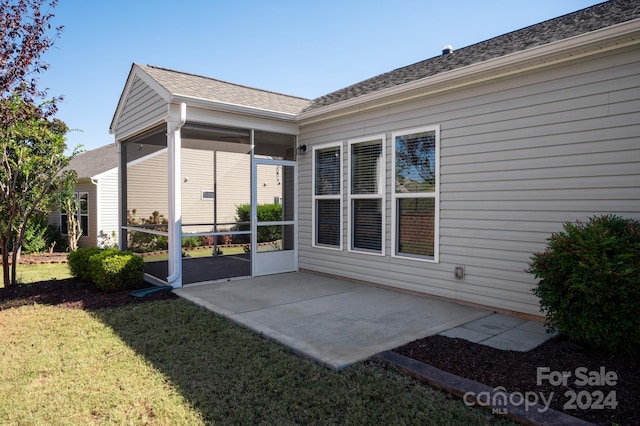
[
  {"x": 44, "y": 272},
  {"x": 171, "y": 362},
  {"x": 195, "y": 253}
]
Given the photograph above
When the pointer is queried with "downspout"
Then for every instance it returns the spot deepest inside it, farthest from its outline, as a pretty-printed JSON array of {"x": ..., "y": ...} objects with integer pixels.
[{"x": 174, "y": 147}]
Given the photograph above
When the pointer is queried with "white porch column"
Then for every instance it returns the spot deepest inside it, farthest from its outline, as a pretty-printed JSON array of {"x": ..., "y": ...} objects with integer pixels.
[{"x": 174, "y": 148}]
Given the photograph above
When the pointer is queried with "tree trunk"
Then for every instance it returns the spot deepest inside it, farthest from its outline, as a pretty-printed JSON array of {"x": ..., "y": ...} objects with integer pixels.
[
  {"x": 14, "y": 264},
  {"x": 73, "y": 227},
  {"x": 5, "y": 264}
]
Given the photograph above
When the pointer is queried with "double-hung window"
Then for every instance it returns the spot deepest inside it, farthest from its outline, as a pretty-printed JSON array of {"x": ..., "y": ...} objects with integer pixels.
[
  {"x": 327, "y": 196},
  {"x": 416, "y": 193},
  {"x": 366, "y": 194},
  {"x": 82, "y": 203}
]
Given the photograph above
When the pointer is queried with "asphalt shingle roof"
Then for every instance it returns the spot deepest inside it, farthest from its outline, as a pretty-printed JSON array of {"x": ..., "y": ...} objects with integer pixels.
[
  {"x": 583, "y": 21},
  {"x": 196, "y": 86},
  {"x": 580, "y": 22},
  {"x": 92, "y": 163}
]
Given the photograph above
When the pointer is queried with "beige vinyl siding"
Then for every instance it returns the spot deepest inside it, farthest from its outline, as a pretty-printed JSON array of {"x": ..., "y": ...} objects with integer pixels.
[
  {"x": 518, "y": 157},
  {"x": 147, "y": 187},
  {"x": 143, "y": 108}
]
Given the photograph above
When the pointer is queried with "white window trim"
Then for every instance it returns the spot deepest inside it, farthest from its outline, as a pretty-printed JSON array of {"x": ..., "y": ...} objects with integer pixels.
[
  {"x": 203, "y": 191},
  {"x": 435, "y": 195},
  {"x": 79, "y": 214},
  {"x": 382, "y": 190},
  {"x": 315, "y": 197}
]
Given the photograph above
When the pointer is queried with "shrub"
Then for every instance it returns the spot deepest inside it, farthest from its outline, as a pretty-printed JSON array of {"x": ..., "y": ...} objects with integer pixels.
[
  {"x": 35, "y": 234},
  {"x": 114, "y": 270},
  {"x": 265, "y": 213},
  {"x": 191, "y": 241},
  {"x": 143, "y": 242},
  {"x": 79, "y": 262},
  {"x": 93, "y": 264},
  {"x": 589, "y": 284}
]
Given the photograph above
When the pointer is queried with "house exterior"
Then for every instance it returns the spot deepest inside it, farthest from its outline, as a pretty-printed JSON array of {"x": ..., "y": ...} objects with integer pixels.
[
  {"x": 97, "y": 193},
  {"x": 442, "y": 177}
]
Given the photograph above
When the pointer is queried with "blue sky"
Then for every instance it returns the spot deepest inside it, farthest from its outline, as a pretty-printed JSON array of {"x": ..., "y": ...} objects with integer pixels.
[{"x": 302, "y": 48}]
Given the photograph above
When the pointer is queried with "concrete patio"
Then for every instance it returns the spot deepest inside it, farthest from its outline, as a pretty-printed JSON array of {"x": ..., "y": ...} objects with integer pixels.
[{"x": 338, "y": 322}]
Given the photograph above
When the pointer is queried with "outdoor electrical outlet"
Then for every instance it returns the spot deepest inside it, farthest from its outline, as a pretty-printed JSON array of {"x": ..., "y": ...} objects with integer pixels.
[{"x": 459, "y": 272}]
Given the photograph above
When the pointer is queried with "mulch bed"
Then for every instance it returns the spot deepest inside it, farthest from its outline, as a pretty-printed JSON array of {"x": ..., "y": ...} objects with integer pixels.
[
  {"x": 30, "y": 259},
  {"x": 518, "y": 372},
  {"x": 514, "y": 371},
  {"x": 72, "y": 293}
]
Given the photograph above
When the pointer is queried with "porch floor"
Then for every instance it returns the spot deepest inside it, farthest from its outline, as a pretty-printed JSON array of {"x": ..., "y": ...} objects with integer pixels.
[
  {"x": 210, "y": 268},
  {"x": 338, "y": 322}
]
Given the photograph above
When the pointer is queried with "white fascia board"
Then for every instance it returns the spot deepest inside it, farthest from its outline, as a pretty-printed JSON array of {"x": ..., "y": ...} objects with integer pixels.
[
  {"x": 105, "y": 173},
  {"x": 233, "y": 108},
  {"x": 599, "y": 41}
]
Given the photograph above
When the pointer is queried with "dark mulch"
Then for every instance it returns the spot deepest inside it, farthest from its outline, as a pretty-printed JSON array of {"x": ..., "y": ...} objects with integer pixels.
[
  {"x": 71, "y": 294},
  {"x": 517, "y": 372},
  {"x": 514, "y": 371}
]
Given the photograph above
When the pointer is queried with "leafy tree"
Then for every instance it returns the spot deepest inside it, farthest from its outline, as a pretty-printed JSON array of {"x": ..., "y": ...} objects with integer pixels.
[
  {"x": 24, "y": 37},
  {"x": 32, "y": 142},
  {"x": 32, "y": 160}
]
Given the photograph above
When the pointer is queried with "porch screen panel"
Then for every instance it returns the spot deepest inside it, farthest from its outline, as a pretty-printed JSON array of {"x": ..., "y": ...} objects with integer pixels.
[
  {"x": 327, "y": 196},
  {"x": 366, "y": 195}
]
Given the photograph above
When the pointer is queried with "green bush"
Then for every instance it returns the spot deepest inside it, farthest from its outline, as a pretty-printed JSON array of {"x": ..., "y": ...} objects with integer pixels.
[
  {"x": 35, "y": 234},
  {"x": 79, "y": 262},
  {"x": 142, "y": 242},
  {"x": 113, "y": 270},
  {"x": 191, "y": 241},
  {"x": 589, "y": 282},
  {"x": 265, "y": 213},
  {"x": 93, "y": 264}
]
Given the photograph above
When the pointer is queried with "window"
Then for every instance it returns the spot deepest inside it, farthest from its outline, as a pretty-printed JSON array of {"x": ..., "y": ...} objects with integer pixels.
[
  {"x": 366, "y": 194},
  {"x": 207, "y": 194},
  {"x": 416, "y": 193},
  {"x": 82, "y": 201},
  {"x": 327, "y": 196}
]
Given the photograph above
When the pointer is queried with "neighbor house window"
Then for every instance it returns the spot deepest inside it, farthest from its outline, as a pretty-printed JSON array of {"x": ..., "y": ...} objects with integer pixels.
[
  {"x": 416, "y": 193},
  {"x": 82, "y": 201},
  {"x": 366, "y": 194},
  {"x": 327, "y": 196},
  {"x": 207, "y": 194}
]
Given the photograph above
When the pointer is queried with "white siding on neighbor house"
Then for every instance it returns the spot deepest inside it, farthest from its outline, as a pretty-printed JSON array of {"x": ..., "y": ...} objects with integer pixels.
[
  {"x": 107, "y": 211},
  {"x": 518, "y": 158},
  {"x": 147, "y": 187},
  {"x": 143, "y": 107}
]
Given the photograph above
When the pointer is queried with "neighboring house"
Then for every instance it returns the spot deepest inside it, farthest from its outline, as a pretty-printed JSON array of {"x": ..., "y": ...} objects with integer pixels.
[
  {"x": 97, "y": 192},
  {"x": 147, "y": 189},
  {"x": 441, "y": 177}
]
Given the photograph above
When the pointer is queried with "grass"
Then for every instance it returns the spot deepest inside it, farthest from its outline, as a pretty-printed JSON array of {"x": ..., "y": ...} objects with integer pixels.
[
  {"x": 28, "y": 274},
  {"x": 171, "y": 362},
  {"x": 196, "y": 253}
]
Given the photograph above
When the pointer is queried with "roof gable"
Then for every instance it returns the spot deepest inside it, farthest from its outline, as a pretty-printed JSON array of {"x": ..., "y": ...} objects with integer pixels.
[{"x": 563, "y": 27}]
